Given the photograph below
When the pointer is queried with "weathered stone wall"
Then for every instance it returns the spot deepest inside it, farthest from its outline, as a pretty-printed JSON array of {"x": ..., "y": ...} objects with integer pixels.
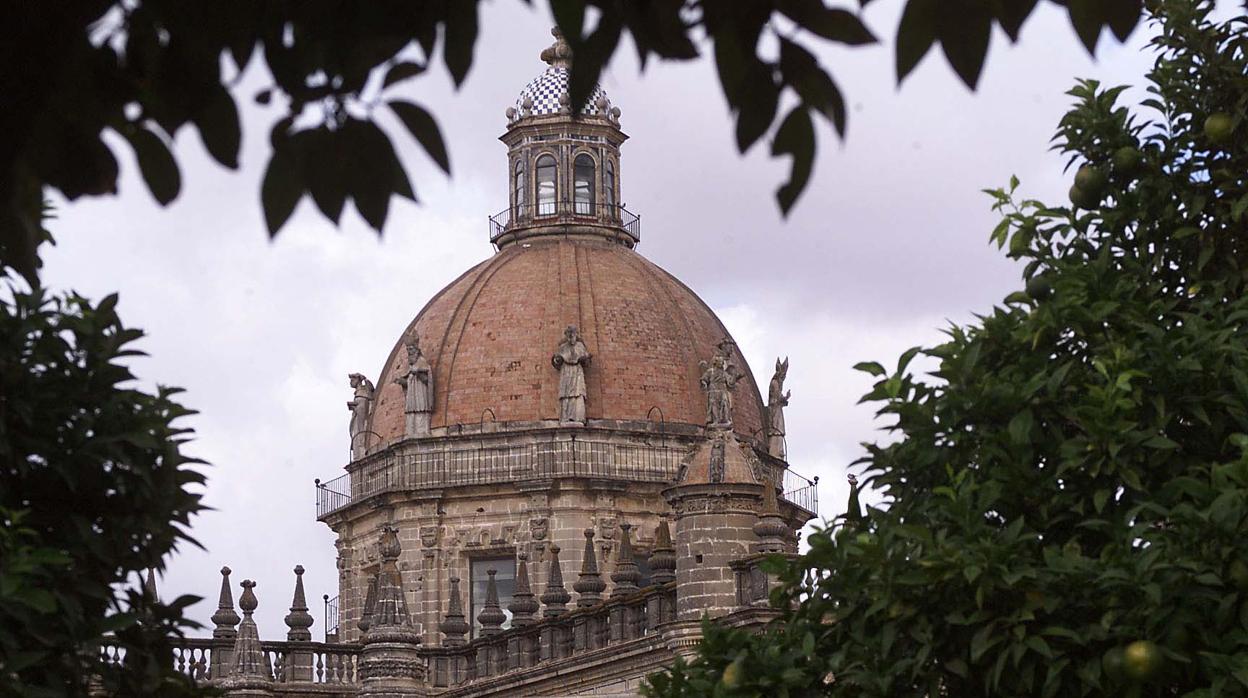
[
  {"x": 442, "y": 529},
  {"x": 714, "y": 527}
]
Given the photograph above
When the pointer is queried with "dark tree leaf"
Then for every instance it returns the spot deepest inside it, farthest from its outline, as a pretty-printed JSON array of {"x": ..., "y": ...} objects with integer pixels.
[
  {"x": 402, "y": 71},
  {"x": 833, "y": 24},
  {"x": 657, "y": 27},
  {"x": 1087, "y": 17},
  {"x": 795, "y": 137},
  {"x": 589, "y": 56},
  {"x": 1012, "y": 13},
  {"x": 460, "y": 38},
  {"x": 569, "y": 18},
  {"x": 371, "y": 176},
  {"x": 159, "y": 169},
  {"x": 282, "y": 186},
  {"x": 1123, "y": 15},
  {"x": 915, "y": 34},
  {"x": 757, "y": 113},
  {"x": 424, "y": 128},
  {"x": 219, "y": 128},
  {"x": 965, "y": 28},
  {"x": 324, "y": 163},
  {"x": 813, "y": 84}
]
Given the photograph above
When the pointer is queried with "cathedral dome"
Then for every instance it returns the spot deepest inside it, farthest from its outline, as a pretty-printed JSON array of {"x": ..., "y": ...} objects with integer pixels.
[
  {"x": 545, "y": 95},
  {"x": 489, "y": 337}
]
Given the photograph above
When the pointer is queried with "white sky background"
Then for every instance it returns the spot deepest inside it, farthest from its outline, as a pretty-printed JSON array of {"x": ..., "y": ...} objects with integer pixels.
[{"x": 888, "y": 244}]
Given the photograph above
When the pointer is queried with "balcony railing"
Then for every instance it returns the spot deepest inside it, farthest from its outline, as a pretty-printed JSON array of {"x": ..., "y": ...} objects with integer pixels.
[
  {"x": 403, "y": 469},
  {"x": 557, "y": 212}
]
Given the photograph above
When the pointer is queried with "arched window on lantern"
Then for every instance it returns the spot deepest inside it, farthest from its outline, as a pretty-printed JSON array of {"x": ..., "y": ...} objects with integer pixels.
[
  {"x": 546, "y": 185},
  {"x": 518, "y": 187},
  {"x": 583, "y": 185},
  {"x": 608, "y": 189}
]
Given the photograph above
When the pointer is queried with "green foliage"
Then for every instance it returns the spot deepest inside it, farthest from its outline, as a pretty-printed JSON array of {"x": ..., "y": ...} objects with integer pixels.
[
  {"x": 145, "y": 69},
  {"x": 1068, "y": 498},
  {"x": 93, "y": 490}
]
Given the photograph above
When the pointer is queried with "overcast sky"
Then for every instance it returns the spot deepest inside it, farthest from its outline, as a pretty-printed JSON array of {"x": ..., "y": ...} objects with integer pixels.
[{"x": 887, "y": 245}]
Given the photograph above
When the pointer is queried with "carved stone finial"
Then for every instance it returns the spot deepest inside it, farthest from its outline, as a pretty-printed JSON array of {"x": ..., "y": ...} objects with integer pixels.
[
  {"x": 589, "y": 586},
  {"x": 523, "y": 604},
  {"x": 719, "y": 378},
  {"x": 388, "y": 545},
  {"x": 454, "y": 627},
  {"x": 225, "y": 618},
  {"x": 853, "y": 511},
  {"x": 149, "y": 586},
  {"x": 626, "y": 574},
  {"x": 360, "y": 406},
  {"x": 389, "y": 620},
  {"x": 570, "y": 360},
  {"x": 417, "y": 385},
  {"x": 777, "y": 400},
  {"x": 663, "y": 556},
  {"x": 558, "y": 53},
  {"x": 770, "y": 527},
  {"x": 555, "y": 599},
  {"x": 370, "y": 603},
  {"x": 248, "y": 667},
  {"x": 299, "y": 620},
  {"x": 389, "y": 663},
  {"x": 491, "y": 616}
]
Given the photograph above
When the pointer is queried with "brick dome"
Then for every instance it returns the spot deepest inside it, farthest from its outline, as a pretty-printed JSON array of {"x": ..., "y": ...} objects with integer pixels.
[{"x": 490, "y": 334}]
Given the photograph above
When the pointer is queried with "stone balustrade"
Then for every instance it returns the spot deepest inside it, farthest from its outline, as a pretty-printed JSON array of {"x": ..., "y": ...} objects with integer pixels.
[{"x": 615, "y": 621}]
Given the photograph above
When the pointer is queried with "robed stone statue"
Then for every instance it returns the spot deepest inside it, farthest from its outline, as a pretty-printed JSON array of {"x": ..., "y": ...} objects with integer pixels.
[
  {"x": 417, "y": 384},
  {"x": 359, "y": 405},
  {"x": 570, "y": 359},
  {"x": 777, "y": 400},
  {"x": 719, "y": 377}
]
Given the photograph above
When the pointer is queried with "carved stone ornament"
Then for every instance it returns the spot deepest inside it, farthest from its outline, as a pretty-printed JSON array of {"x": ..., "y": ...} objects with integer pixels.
[
  {"x": 606, "y": 527},
  {"x": 719, "y": 378},
  {"x": 359, "y": 405},
  {"x": 539, "y": 528},
  {"x": 429, "y": 536},
  {"x": 570, "y": 360},
  {"x": 777, "y": 400},
  {"x": 417, "y": 384}
]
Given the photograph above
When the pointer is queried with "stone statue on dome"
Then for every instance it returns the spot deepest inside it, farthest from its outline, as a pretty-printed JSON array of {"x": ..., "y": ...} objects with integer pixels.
[
  {"x": 719, "y": 377},
  {"x": 417, "y": 384},
  {"x": 360, "y": 406},
  {"x": 777, "y": 400},
  {"x": 570, "y": 359}
]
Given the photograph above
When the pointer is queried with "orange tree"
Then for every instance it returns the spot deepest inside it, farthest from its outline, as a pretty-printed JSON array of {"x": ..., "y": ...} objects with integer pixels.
[{"x": 1068, "y": 499}]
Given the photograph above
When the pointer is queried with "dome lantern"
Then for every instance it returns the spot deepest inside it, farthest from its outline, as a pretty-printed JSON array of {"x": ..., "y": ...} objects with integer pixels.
[{"x": 563, "y": 163}]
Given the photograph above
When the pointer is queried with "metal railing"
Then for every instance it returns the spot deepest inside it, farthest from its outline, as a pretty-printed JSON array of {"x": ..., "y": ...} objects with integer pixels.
[
  {"x": 331, "y": 618},
  {"x": 514, "y": 217},
  {"x": 402, "y": 469},
  {"x": 802, "y": 491}
]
